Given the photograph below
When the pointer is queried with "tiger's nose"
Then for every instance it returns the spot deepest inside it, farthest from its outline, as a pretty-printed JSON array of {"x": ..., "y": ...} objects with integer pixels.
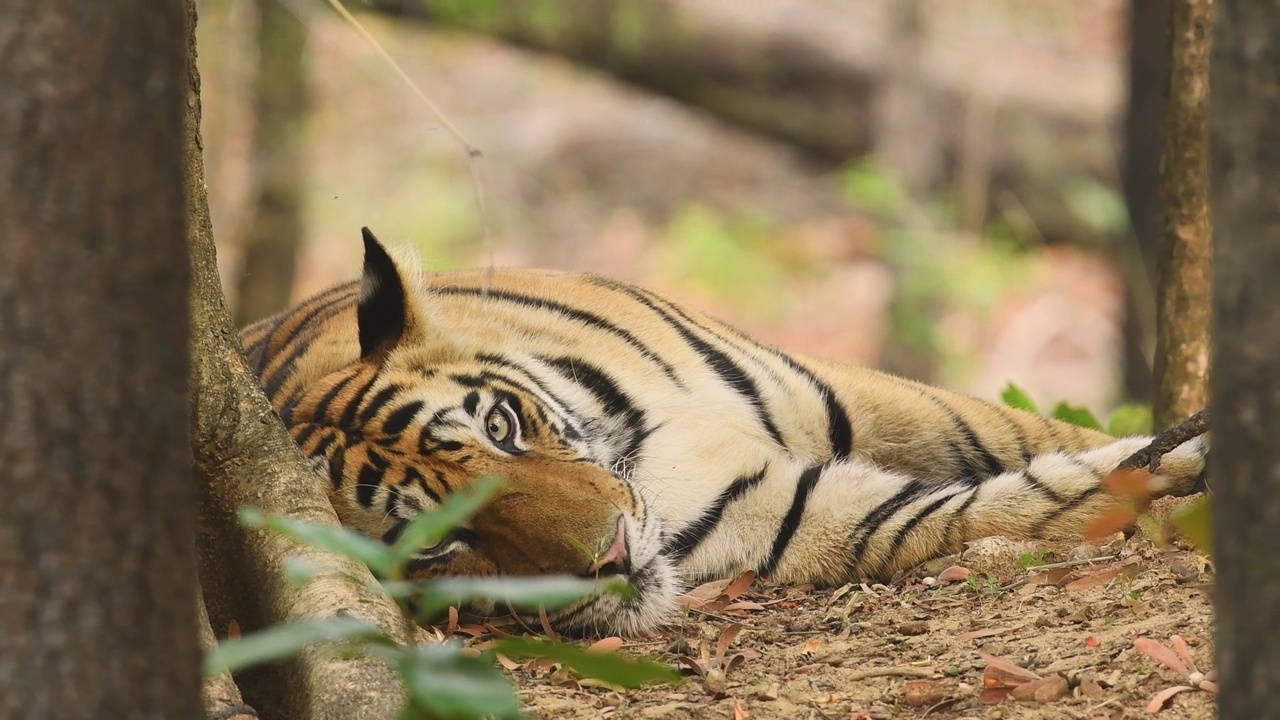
[{"x": 616, "y": 560}]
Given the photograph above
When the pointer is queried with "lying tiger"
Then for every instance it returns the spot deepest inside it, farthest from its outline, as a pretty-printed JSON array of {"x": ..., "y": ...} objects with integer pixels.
[{"x": 675, "y": 446}]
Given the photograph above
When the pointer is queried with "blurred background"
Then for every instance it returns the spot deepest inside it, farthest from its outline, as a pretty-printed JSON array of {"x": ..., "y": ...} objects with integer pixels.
[{"x": 961, "y": 191}]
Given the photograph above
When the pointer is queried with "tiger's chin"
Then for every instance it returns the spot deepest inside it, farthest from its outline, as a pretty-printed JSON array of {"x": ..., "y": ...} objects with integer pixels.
[{"x": 648, "y": 602}]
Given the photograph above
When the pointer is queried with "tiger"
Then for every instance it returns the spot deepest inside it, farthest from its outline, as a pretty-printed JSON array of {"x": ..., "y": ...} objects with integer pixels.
[{"x": 642, "y": 441}]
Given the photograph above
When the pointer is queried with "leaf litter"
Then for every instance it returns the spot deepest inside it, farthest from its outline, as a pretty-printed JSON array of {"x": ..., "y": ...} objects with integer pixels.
[{"x": 995, "y": 639}]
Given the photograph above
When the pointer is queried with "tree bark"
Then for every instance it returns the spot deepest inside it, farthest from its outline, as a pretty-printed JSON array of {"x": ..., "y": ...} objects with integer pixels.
[
  {"x": 243, "y": 456},
  {"x": 1245, "y": 464},
  {"x": 274, "y": 232},
  {"x": 97, "y": 569},
  {"x": 1143, "y": 140},
  {"x": 1182, "y": 315}
]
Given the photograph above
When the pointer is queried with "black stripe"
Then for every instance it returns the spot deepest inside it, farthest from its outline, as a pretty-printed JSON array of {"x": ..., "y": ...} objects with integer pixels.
[
  {"x": 807, "y": 481},
  {"x": 899, "y": 537},
  {"x": 725, "y": 368},
  {"x": 272, "y": 381},
  {"x": 379, "y": 401},
  {"x": 399, "y": 419},
  {"x": 321, "y": 410},
  {"x": 1066, "y": 507},
  {"x": 839, "y": 429},
  {"x": 471, "y": 403},
  {"x": 689, "y": 537},
  {"x": 596, "y": 381},
  {"x": 580, "y": 315},
  {"x": 1040, "y": 486},
  {"x": 391, "y": 536},
  {"x": 348, "y": 418},
  {"x": 571, "y": 428},
  {"x": 974, "y": 469},
  {"x": 959, "y": 516},
  {"x": 367, "y": 484},
  {"x": 412, "y": 475},
  {"x": 881, "y": 514},
  {"x": 1024, "y": 446}
]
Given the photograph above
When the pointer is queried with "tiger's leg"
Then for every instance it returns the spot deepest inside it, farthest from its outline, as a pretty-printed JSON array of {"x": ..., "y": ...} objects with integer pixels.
[{"x": 846, "y": 521}]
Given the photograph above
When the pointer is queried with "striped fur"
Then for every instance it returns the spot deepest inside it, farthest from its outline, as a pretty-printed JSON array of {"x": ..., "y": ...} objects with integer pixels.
[{"x": 718, "y": 453}]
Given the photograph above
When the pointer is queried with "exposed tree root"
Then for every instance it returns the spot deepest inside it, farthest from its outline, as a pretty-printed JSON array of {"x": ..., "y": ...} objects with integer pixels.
[{"x": 243, "y": 456}]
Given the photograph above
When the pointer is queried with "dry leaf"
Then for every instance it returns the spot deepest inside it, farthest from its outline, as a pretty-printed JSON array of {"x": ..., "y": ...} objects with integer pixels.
[
  {"x": 955, "y": 573},
  {"x": 1134, "y": 484},
  {"x": 919, "y": 693},
  {"x": 1184, "y": 652},
  {"x": 452, "y": 627},
  {"x": 233, "y": 630},
  {"x": 1043, "y": 690},
  {"x": 1110, "y": 523},
  {"x": 688, "y": 663},
  {"x": 1053, "y": 576},
  {"x": 709, "y": 591},
  {"x": 739, "y": 586},
  {"x": 1091, "y": 641},
  {"x": 1156, "y": 650},
  {"x": 546, "y": 624},
  {"x": 1004, "y": 673},
  {"x": 1123, "y": 572},
  {"x": 605, "y": 645},
  {"x": 743, "y": 606},
  {"x": 1158, "y": 702},
  {"x": 812, "y": 646},
  {"x": 507, "y": 662},
  {"x": 994, "y": 695},
  {"x": 989, "y": 632},
  {"x": 739, "y": 713},
  {"x": 726, "y": 639}
]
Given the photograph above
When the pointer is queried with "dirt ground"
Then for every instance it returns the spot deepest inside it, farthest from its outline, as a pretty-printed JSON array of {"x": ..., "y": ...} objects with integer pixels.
[{"x": 930, "y": 644}]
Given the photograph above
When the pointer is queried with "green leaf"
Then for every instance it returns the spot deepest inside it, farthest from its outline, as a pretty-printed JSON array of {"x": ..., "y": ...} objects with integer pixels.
[
  {"x": 1195, "y": 523},
  {"x": 332, "y": 538},
  {"x": 609, "y": 667},
  {"x": 430, "y": 527},
  {"x": 282, "y": 641},
  {"x": 1130, "y": 419},
  {"x": 1076, "y": 416},
  {"x": 1016, "y": 397},
  {"x": 522, "y": 592},
  {"x": 445, "y": 684}
]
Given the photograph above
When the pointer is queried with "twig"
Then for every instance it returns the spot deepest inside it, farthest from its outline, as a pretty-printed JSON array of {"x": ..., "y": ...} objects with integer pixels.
[
  {"x": 1150, "y": 456},
  {"x": 911, "y": 672},
  {"x": 1071, "y": 563}
]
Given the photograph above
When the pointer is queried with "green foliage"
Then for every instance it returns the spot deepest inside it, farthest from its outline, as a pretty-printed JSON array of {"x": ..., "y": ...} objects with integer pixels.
[
  {"x": 1195, "y": 522},
  {"x": 281, "y": 642},
  {"x": 608, "y": 667},
  {"x": 728, "y": 257},
  {"x": 1130, "y": 419},
  {"x": 1080, "y": 416},
  {"x": 440, "y": 680},
  {"x": 1016, "y": 397},
  {"x": 1101, "y": 208}
]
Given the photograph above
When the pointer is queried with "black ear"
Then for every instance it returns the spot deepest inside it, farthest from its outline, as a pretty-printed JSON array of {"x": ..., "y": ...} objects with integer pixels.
[{"x": 381, "y": 313}]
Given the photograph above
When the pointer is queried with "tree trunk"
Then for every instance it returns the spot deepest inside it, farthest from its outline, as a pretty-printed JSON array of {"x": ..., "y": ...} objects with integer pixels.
[
  {"x": 274, "y": 232},
  {"x": 1143, "y": 140},
  {"x": 1246, "y": 398},
  {"x": 1182, "y": 313},
  {"x": 243, "y": 456},
  {"x": 97, "y": 570}
]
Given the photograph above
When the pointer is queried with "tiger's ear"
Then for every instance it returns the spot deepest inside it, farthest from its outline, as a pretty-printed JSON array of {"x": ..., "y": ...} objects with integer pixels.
[{"x": 384, "y": 313}]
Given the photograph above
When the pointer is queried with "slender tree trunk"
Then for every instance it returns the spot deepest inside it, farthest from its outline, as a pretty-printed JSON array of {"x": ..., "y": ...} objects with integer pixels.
[
  {"x": 1186, "y": 247},
  {"x": 1246, "y": 397},
  {"x": 97, "y": 570},
  {"x": 1143, "y": 137},
  {"x": 274, "y": 232}
]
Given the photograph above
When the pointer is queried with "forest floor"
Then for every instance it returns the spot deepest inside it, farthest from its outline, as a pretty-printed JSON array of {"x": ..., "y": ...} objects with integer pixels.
[{"x": 929, "y": 644}]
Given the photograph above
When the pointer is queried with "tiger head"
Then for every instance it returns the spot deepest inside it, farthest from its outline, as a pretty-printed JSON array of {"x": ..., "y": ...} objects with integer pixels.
[{"x": 420, "y": 415}]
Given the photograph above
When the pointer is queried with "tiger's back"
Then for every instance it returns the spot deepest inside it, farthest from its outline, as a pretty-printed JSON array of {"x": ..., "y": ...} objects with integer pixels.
[{"x": 709, "y": 452}]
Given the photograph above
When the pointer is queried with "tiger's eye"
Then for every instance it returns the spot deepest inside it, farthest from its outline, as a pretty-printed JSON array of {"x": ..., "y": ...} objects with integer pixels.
[{"x": 498, "y": 425}]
